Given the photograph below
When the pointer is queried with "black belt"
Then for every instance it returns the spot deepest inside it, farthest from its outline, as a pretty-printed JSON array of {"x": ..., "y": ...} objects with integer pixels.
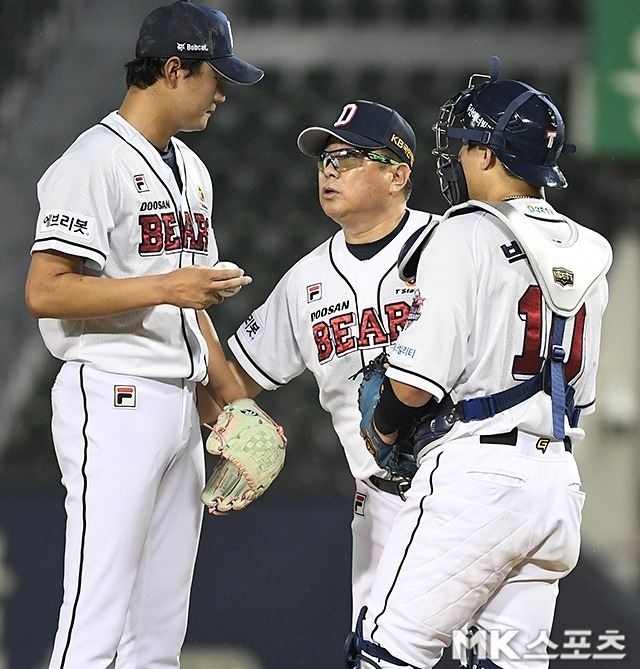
[
  {"x": 393, "y": 487},
  {"x": 511, "y": 438}
]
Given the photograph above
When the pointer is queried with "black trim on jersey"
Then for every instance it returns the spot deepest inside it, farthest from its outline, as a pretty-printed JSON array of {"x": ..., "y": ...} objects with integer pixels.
[
  {"x": 420, "y": 376},
  {"x": 407, "y": 547},
  {"x": 84, "y": 514},
  {"x": 160, "y": 179},
  {"x": 64, "y": 241},
  {"x": 379, "y": 296},
  {"x": 582, "y": 407},
  {"x": 355, "y": 294},
  {"x": 250, "y": 359},
  {"x": 370, "y": 249},
  {"x": 180, "y": 224},
  {"x": 184, "y": 188}
]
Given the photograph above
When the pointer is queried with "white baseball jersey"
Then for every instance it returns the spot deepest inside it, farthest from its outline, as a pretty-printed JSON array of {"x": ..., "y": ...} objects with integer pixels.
[
  {"x": 479, "y": 324},
  {"x": 331, "y": 313},
  {"x": 492, "y": 518},
  {"x": 126, "y": 216}
]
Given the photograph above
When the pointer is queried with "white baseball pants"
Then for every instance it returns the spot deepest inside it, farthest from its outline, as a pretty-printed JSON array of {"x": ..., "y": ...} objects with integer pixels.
[
  {"x": 484, "y": 536},
  {"x": 130, "y": 452}
]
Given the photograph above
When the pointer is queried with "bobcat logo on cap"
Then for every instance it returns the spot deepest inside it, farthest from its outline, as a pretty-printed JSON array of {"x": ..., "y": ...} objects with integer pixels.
[{"x": 181, "y": 46}]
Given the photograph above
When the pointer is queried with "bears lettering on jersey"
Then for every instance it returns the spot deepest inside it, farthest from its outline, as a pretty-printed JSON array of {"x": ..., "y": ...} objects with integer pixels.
[
  {"x": 345, "y": 332},
  {"x": 162, "y": 233}
]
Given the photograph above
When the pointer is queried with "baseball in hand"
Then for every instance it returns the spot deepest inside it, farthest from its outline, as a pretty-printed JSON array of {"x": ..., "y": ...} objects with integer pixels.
[{"x": 225, "y": 264}]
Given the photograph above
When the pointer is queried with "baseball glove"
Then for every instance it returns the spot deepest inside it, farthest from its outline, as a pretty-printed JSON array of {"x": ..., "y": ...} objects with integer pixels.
[
  {"x": 252, "y": 449},
  {"x": 398, "y": 458}
]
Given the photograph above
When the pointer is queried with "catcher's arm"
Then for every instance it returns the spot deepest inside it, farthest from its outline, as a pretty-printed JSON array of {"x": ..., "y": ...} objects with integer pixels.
[{"x": 383, "y": 418}]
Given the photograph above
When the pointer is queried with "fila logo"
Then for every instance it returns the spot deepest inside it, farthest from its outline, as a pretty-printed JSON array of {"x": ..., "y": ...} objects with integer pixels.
[
  {"x": 124, "y": 397},
  {"x": 314, "y": 292},
  {"x": 347, "y": 114},
  {"x": 140, "y": 183},
  {"x": 358, "y": 504}
]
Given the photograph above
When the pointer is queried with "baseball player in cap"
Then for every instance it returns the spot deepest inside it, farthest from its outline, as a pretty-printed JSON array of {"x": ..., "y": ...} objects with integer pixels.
[
  {"x": 121, "y": 272},
  {"x": 343, "y": 303},
  {"x": 507, "y": 346}
]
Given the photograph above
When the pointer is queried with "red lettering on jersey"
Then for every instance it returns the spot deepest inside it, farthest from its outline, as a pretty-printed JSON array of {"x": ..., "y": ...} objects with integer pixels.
[
  {"x": 152, "y": 237},
  {"x": 162, "y": 234},
  {"x": 202, "y": 233},
  {"x": 371, "y": 330},
  {"x": 397, "y": 315},
  {"x": 340, "y": 326},
  {"x": 171, "y": 232},
  {"x": 323, "y": 341},
  {"x": 188, "y": 234}
]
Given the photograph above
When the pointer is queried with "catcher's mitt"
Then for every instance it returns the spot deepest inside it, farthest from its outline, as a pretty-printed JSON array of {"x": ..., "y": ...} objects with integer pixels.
[
  {"x": 252, "y": 449},
  {"x": 398, "y": 458}
]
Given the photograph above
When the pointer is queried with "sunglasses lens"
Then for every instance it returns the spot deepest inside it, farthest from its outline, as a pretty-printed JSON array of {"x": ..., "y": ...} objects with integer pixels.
[{"x": 341, "y": 160}]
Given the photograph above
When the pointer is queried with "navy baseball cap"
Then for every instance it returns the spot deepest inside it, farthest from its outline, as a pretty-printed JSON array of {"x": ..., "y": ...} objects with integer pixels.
[
  {"x": 193, "y": 31},
  {"x": 366, "y": 125}
]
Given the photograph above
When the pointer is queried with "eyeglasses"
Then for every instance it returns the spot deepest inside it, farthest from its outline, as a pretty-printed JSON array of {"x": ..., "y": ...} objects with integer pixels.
[{"x": 348, "y": 159}]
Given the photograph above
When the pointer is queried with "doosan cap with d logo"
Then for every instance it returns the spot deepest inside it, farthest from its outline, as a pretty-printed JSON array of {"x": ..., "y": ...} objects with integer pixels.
[
  {"x": 365, "y": 125},
  {"x": 191, "y": 31}
]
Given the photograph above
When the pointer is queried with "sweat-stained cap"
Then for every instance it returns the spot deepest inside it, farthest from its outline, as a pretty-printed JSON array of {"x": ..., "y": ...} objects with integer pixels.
[
  {"x": 191, "y": 31},
  {"x": 365, "y": 125}
]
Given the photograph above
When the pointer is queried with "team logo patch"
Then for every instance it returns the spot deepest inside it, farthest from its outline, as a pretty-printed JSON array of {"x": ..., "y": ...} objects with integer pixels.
[
  {"x": 140, "y": 183},
  {"x": 563, "y": 276},
  {"x": 314, "y": 292},
  {"x": 416, "y": 308},
  {"x": 124, "y": 397},
  {"x": 358, "y": 503},
  {"x": 68, "y": 223}
]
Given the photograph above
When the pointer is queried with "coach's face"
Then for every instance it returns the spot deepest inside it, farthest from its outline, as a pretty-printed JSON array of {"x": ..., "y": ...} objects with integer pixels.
[{"x": 355, "y": 194}]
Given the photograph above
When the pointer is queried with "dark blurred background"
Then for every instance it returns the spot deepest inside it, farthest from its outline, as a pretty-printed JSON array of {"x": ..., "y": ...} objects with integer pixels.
[{"x": 272, "y": 588}]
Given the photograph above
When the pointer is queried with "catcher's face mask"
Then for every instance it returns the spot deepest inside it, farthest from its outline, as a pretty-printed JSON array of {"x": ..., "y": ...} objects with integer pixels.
[{"x": 450, "y": 174}]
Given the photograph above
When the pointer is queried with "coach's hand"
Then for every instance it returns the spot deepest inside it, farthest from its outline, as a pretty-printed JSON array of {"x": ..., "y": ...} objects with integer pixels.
[{"x": 197, "y": 286}]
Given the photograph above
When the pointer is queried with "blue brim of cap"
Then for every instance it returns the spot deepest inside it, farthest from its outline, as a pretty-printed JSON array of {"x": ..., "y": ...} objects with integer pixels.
[
  {"x": 313, "y": 140},
  {"x": 235, "y": 70}
]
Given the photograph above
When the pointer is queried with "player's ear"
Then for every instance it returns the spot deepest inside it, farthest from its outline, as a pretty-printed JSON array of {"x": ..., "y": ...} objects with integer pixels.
[
  {"x": 401, "y": 174},
  {"x": 171, "y": 70},
  {"x": 487, "y": 158}
]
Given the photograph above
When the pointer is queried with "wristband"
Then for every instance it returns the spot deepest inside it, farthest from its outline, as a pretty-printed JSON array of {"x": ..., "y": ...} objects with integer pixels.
[{"x": 391, "y": 414}]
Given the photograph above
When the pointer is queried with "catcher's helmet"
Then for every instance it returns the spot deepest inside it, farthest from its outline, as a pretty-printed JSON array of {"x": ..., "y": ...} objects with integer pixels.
[{"x": 520, "y": 124}]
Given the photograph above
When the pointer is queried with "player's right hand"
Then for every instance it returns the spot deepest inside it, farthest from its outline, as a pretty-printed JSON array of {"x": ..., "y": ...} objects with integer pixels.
[{"x": 198, "y": 286}]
